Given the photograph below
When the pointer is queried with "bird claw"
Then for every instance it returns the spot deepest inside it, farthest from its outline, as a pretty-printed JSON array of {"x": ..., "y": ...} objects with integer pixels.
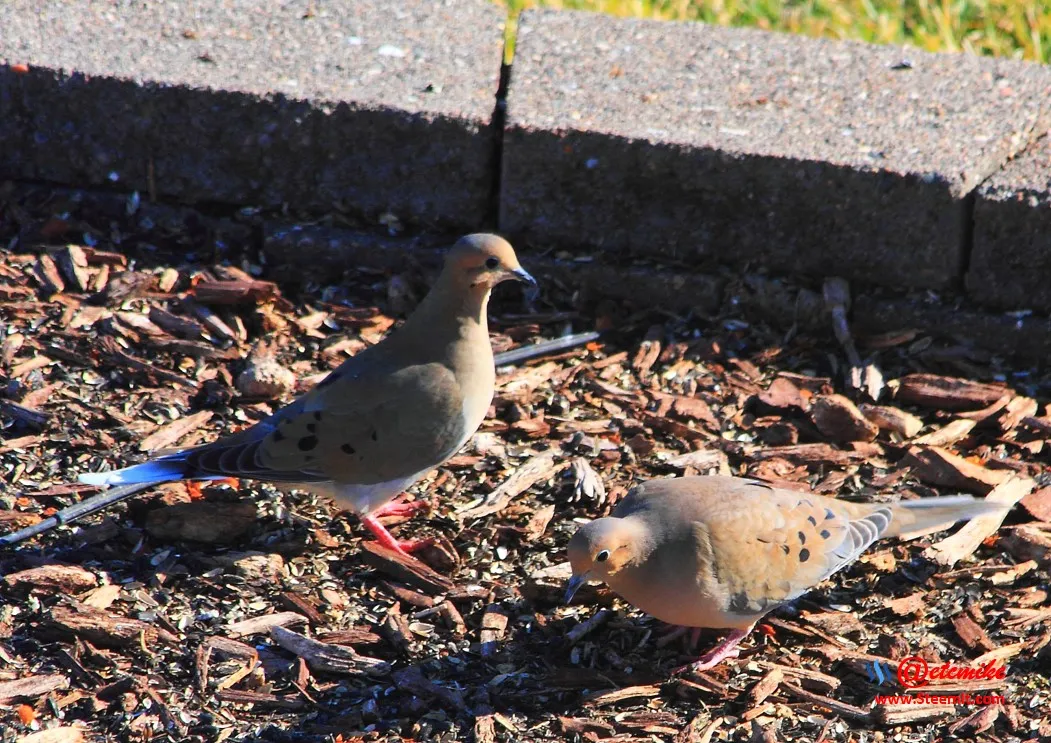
[
  {"x": 708, "y": 661},
  {"x": 386, "y": 539},
  {"x": 407, "y": 547},
  {"x": 724, "y": 650}
]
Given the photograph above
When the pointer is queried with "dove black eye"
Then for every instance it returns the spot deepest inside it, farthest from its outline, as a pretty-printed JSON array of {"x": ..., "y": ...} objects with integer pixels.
[
  {"x": 492, "y": 262},
  {"x": 602, "y": 556}
]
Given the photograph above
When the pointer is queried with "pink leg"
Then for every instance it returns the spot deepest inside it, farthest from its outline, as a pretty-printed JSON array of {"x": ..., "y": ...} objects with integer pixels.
[
  {"x": 725, "y": 649},
  {"x": 387, "y": 539},
  {"x": 400, "y": 508}
]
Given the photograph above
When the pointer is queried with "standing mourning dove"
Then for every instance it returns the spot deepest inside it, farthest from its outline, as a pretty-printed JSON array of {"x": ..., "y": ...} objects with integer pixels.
[
  {"x": 720, "y": 552},
  {"x": 385, "y": 417}
]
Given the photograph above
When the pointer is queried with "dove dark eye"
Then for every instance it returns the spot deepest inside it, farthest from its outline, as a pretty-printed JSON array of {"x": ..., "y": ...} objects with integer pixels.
[
  {"x": 492, "y": 262},
  {"x": 602, "y": 556}
]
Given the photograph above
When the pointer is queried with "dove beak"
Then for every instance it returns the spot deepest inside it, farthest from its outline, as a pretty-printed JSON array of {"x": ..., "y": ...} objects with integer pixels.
[
  {"x": 520, "y": 274},
  {"x": 573, "y": 585}
]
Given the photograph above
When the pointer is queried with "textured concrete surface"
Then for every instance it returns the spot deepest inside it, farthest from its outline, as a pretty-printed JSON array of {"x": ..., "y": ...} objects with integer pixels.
[
  {"x": 1011, "y": 261},
  {"x": 714, "y": 144},
  {"x": 322, "y": 254},
  {"x": 372, "y": 105}
]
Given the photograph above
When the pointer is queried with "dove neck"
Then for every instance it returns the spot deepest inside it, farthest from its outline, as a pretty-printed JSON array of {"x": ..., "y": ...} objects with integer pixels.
[{"x": 450, "y": 311}]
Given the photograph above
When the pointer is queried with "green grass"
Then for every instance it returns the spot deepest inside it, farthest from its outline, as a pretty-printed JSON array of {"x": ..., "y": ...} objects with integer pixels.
[{"x": 1004, "y": 28}]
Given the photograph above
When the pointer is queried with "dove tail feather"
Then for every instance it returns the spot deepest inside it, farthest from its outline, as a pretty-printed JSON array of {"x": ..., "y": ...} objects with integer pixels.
[
  {"x": 927, "y": 515},
  {"x": 165, "y": 469}
]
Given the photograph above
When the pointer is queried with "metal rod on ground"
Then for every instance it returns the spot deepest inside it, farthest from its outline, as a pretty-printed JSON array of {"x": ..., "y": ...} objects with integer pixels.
[
  {"x": 67, "y": 515},
  {"x": 113, "y": 496},
  {"x": 545, "y": 347}
]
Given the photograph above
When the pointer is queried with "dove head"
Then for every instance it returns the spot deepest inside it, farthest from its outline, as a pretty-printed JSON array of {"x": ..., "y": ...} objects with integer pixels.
[
  {"x": 600, "y": 549},
  {"x": 482, "y": 261}
]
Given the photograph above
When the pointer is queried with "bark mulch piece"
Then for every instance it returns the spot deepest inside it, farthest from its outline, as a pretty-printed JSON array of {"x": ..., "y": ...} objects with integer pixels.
[{"x": 239, "y": 611}]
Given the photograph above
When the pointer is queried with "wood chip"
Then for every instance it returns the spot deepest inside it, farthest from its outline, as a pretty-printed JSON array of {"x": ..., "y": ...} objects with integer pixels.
[
  {"x": 203, "y": 521},
  {"x": 947, "y": 393},
  {"x": 1017, "y": 410},
  {"x": 101, "y": 597},
  {"x": 963, "y": 543},
  {"x": 783, "y": 394},
  {"x": 538, "y": 468},
  {"x": 238, "y": 291},
  {"x": 47, "y": 274},
  {"x": 351, "y": 636},
  {"x": 936, "y": 466},
  {"x": 73, "y": 262},
  {"x": 1038, "y": 504},
  {"x": 494, "y": 622},
  {"x": 537, "y": 524},
  {"x": 588, "y": 626},
  {"x": 64, "y": 578},
  {"x": 484, "y": 729},
  {"x": 580, "y": 725},
  {"x": 263, "y": 699},
  {"x": 892, "y": 419},
  {"x": 60, "y": 734},
  {"x": 263, "y": 624},
  {"x": 695, "y": 409},
  {"x": 848, "y": 711},
  {"x": 1028, "y": 542},
  {"x": 328, "y": 658},
  {"x": 171, "y": 433},
  {"x": 602, "y": 698},
  {"x": 972, "y": 635},
  {"x": 807, "y": 454},
  {"x": 405, "y": 569},
  {"x": 766, "y": 686},
  {"x": 104, "y": 628},
  {"x": 413, "y": 681},
  {"x": 840, "y": 420},
  {"x": 30, "y": 688},
  {"x": 913, "y": 604},
  {"x": 948, "y": 434},
  {"x": 910, "y": 714}
]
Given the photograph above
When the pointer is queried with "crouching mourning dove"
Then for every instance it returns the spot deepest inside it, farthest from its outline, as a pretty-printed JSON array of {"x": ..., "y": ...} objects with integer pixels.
[
  {"x": 385, "y": 417},
  {"x": 720, "y": 552}
]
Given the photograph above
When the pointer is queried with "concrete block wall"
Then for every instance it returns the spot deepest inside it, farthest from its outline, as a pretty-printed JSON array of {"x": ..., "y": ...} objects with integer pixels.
[{"x": 681, "y": 143}]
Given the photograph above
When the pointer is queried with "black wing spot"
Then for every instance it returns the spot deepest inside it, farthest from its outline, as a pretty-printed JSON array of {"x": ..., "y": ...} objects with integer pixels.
[
  {"x": 785, "y": 548},
  {"x": 764, "y": 541},
  {"x": 347, "y": 449},
  {"x": 825, "y": 534},
  {"x": 829, "y": 514},
  {"x": 804, "y": 555},
  {"x": 307, "y": 443},
  {"x": 278, "y": 437},
  {"x": 812, "y": 520},
  {"x": 802, "y": 538}
]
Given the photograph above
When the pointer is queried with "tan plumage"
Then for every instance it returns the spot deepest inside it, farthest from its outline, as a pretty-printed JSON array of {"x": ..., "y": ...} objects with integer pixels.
[
  {"x": 720, "y": 552},
  {"x": 386, "y": 416}
]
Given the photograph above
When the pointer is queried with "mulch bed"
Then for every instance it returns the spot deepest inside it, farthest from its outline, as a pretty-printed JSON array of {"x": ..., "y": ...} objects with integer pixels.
[{"x": 240, "y": 611}]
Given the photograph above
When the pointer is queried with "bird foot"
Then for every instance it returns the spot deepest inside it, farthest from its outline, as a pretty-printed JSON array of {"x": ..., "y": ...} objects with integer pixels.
[
  {"x": 401, "y": 508},
  {"x": 724, "y": 650},
  {"x": 385, "y": 538}
]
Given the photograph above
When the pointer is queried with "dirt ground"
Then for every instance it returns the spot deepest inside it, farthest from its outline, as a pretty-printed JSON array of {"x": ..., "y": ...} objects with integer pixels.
[{"x": 243, "y": 612}]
